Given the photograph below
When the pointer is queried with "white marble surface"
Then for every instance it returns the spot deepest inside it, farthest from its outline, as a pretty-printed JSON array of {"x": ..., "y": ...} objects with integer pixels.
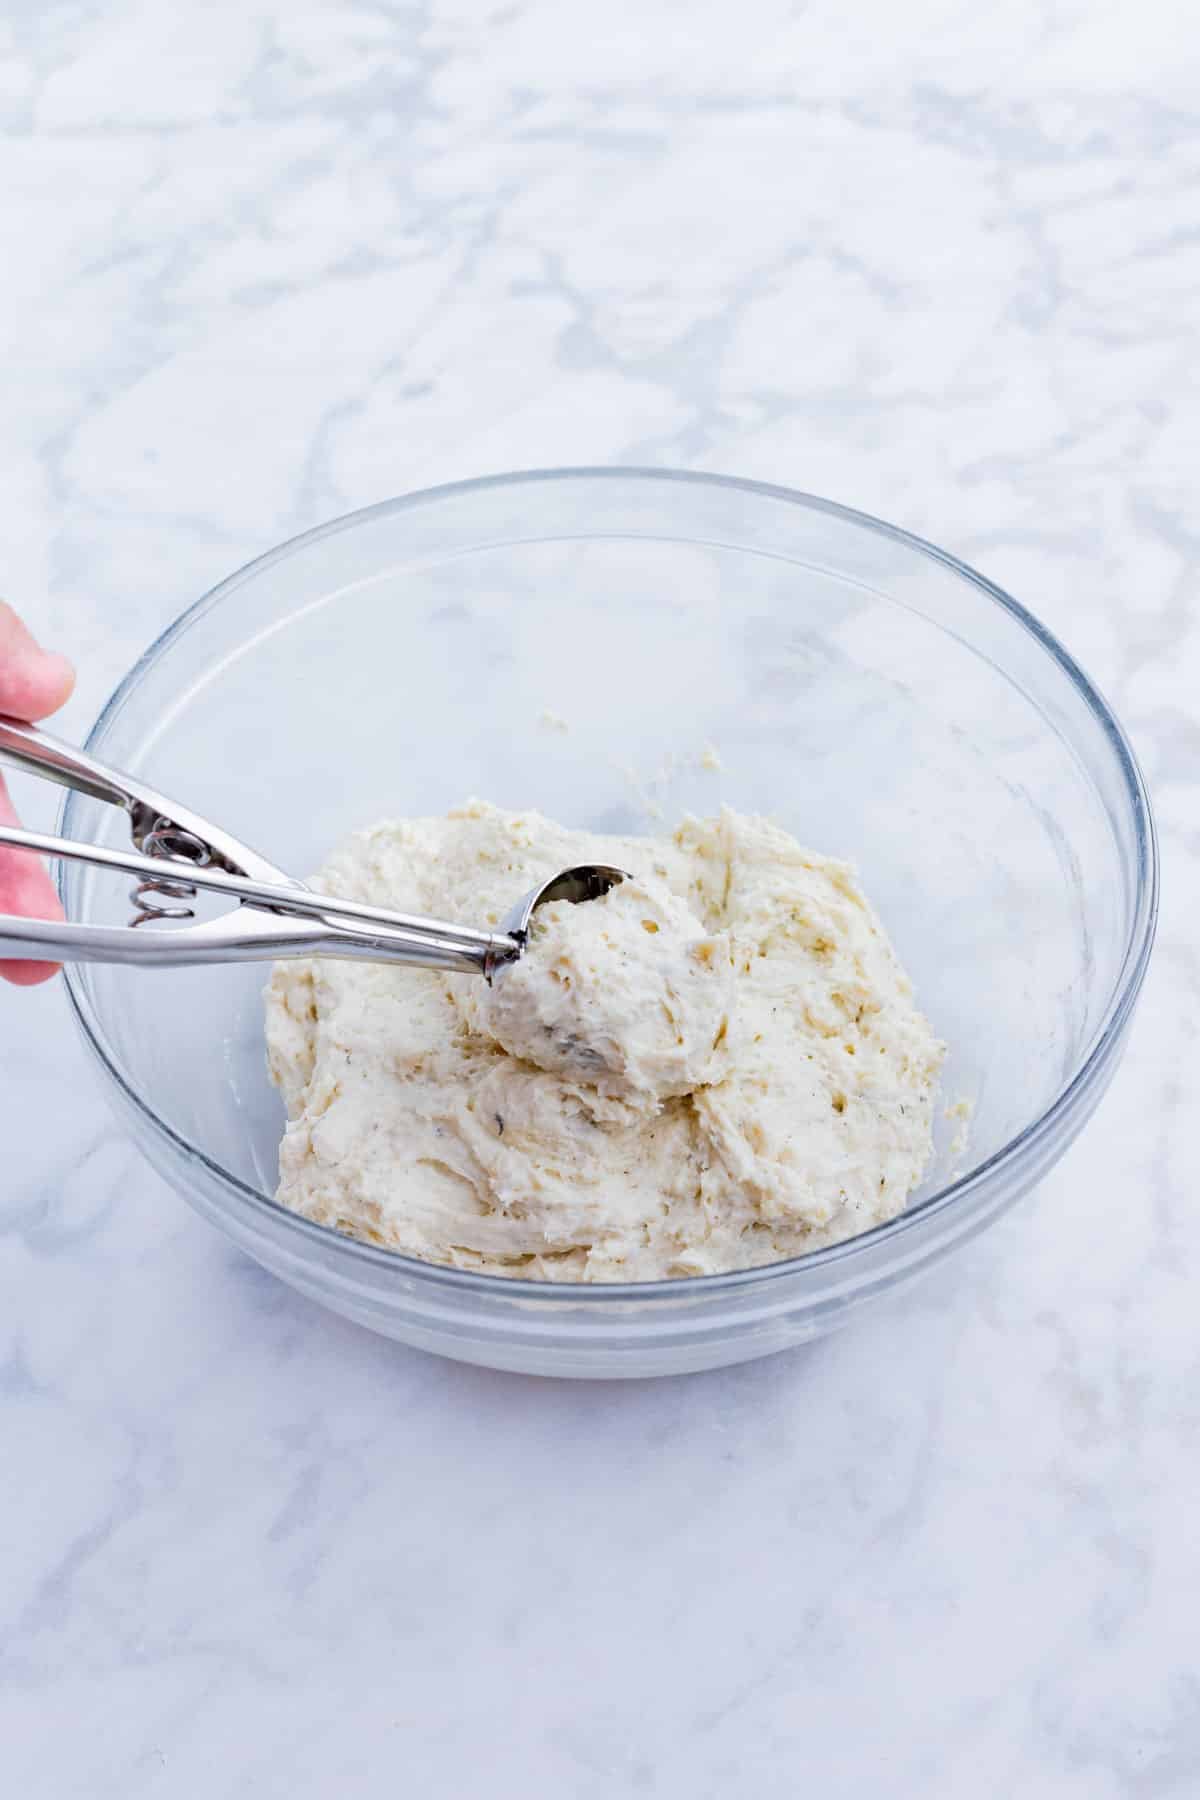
[{"x": 265, "y": 263}]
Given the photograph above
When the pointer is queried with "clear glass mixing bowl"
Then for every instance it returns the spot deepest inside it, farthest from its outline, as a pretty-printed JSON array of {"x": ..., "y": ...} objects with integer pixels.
[{"x": 883, "y": 702}]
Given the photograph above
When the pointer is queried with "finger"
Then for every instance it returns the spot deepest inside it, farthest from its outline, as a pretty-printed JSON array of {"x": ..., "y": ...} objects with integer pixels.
[
  {"x": 33, "y": 681},
  {"x": 27, "y": 890}
]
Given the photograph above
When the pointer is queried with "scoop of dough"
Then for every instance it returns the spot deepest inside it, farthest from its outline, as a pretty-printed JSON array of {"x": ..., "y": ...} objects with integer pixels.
[{"x": 628, "y": 993}]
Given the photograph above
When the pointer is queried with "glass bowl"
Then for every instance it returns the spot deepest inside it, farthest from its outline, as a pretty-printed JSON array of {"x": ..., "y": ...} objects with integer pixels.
[{"x": 882, "y": 701}]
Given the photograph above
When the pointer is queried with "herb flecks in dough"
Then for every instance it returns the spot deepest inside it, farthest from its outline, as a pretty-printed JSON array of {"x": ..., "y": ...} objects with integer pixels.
[{"x": 719, "y": 1064}]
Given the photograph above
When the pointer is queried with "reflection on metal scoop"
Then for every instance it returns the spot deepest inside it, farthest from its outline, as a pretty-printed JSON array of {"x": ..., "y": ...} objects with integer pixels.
[{"x": 588, "y": 881}]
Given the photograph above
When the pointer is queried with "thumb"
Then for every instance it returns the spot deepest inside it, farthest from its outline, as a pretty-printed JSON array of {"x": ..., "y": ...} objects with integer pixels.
[{"x": 33, "y": 681}]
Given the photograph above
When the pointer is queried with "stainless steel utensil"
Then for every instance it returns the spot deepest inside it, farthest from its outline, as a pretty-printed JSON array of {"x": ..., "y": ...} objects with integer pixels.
[{"x": 178, "y": 854}]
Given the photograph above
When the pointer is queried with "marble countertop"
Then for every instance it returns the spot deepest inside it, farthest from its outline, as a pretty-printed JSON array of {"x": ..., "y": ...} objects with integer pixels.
[{"x": 264, "y": 264}]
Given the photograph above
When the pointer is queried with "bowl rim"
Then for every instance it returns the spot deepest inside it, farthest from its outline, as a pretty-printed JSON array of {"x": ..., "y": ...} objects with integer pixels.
[{"x": 1094, "y": 1063}]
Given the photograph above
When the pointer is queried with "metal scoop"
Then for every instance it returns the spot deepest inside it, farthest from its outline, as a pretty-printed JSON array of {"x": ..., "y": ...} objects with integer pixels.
[{"x": 177, "y": 854}]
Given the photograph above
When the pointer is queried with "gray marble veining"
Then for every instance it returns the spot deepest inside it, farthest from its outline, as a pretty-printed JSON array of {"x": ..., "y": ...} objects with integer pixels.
[{"x": 264, "y": 264}]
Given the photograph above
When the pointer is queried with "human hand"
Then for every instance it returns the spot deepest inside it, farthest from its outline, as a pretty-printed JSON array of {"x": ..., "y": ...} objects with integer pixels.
[{"x": 33, "y": 682}]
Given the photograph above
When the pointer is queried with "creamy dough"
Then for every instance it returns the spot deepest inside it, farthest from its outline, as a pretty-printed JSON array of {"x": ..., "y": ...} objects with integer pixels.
[{"x": 718, "y": 1064}]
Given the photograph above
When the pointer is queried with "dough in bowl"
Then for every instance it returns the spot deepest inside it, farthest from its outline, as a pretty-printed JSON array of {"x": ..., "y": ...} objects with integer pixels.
[{"x": 719, "y": 1064}]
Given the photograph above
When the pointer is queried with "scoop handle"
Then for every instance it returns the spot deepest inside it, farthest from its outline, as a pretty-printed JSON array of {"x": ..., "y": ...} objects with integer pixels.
[{"x": 37, "y": 753}]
